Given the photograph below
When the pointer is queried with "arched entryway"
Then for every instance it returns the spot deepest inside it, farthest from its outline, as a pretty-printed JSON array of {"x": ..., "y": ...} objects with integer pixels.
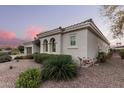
[
  {"x": 52, "y": 45},
  {"x": 45, "y": 46}
]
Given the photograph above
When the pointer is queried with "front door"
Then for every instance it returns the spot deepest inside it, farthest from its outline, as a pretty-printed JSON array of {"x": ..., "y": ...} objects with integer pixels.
[{"x": 29, "y": 50}]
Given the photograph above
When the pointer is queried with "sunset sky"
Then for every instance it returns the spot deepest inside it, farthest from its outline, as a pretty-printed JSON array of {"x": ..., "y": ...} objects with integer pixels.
[{"x": 24, "y": 22}]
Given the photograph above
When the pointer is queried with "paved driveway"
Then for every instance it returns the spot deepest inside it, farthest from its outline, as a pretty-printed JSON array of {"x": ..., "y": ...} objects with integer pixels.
[{"x": 8, "y": 76}]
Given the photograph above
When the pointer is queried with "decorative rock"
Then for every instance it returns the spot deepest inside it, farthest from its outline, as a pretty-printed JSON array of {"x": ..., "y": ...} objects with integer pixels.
[
  {"x": 11, "y": 67},
  {"x": 8, "y": 77}
]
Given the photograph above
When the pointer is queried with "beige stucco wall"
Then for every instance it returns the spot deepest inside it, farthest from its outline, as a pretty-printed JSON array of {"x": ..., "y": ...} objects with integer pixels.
[
  {"x": 36, "y": 49},
  {"x": 80, "y": 50},
  {"x": 94, "y": 45}
]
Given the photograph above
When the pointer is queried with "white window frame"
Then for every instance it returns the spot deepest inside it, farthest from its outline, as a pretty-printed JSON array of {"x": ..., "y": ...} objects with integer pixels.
[{"x": 73, "y": 46}]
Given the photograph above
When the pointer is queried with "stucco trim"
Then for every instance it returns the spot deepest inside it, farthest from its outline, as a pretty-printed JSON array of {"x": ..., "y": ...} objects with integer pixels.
[
  {"x": 27, "y": 43},
  {"x": 88, "y": 24},
  {"x": 98, "y": 33}
]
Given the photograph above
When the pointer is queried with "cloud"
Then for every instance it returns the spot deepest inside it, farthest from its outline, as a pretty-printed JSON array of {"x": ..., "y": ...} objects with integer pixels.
[
  {"x": 9, "y": 39},
  {"x": 31, "y": 32},
  {"x": 7, "y": 35}
]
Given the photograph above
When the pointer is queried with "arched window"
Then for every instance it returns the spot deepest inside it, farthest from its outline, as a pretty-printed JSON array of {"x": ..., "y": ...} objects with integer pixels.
[
  {"x": 45, "y": 45},
  {"x": 52, "y": 45}
]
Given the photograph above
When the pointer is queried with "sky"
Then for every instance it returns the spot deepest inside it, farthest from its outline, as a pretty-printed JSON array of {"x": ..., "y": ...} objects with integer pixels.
[{"x": 24, "y": 22}]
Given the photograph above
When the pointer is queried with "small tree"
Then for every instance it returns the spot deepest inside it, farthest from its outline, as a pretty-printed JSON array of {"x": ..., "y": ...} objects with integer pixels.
[
  {"x": 115, "y": 15},
  {"x": 21, "y": 48}
]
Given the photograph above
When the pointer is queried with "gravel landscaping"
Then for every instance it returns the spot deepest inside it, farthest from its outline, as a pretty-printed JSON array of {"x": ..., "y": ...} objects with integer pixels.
[
  {"x": 9, "y": 76},
  {"x": 105, "y": 75}
]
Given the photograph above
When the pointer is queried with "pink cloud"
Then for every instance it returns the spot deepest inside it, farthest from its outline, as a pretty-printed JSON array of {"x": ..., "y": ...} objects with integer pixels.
[
  {"x": 7, "y": 35},
  {"x": 31, "y": 32}
]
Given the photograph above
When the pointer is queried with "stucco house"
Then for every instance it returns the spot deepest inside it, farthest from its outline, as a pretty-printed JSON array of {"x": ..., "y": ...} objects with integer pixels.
[
  {"x": 118, "y": 47},
  {"x": 79, "y": 40}
]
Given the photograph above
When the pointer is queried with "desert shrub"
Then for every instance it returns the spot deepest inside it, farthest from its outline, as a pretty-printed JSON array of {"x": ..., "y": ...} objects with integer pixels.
[
  {"x": 61, "y": 67},
  {"x": 101, "y": 57},
  {"x": 15, "y": 51},
  {"x": 3, "y": 53},
  {"x": 40, "y": 58},
  {"x": 5, "y": 58},
  {"x": 11, "y": 67},
  {"x": 24, "y": 57},
  {"x": 21, "y": 48},
  {"x": 110, "y": 53},
  {"x": 121, "y": 53},
  {"x": 29, "y": 79}
]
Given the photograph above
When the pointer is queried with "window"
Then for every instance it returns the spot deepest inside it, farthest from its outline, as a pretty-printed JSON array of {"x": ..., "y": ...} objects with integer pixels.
[
  {"x": 52, "y": 45},
  {"x": 73, "y": 40},
  {"x": 45, "y": 45}
]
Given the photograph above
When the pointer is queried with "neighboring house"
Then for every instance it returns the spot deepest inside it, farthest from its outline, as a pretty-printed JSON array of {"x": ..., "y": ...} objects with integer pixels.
[
  {"x": 79, "y": 40},
  {"x": 119, "y": 47}
]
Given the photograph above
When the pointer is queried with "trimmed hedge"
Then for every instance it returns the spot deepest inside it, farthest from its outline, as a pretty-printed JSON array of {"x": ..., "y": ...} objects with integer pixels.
[
  {"x": 43, "y": 58},
  {"x": 24, "y": 57},
  {"x": 5, "y": 58},
  {"x": 39, "y": 58},
  {"x": 29, "y": 79},
  {"x": 59, "y": 67},
  {"x": 110, "y": 53}
]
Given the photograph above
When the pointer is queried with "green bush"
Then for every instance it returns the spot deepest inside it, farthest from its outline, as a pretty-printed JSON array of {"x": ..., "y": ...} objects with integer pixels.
[
  {"x": 29, "y": 79},
  {"x": 3, "y": 53},
  {"x": 5, "y": 58},
  {"x": 24, "y": 57},
  {"x": 15, "y": 51},
  {"x": 101, "y": 57},
  {"x": 60, "y": 67},
  {"x": 38, "y": 57},
  {"x": 110, "y": 53},
  {"x": 121, "y": 53},
  {"x": 41, "y": 58},
  {"x": 21, "y": 48}
]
